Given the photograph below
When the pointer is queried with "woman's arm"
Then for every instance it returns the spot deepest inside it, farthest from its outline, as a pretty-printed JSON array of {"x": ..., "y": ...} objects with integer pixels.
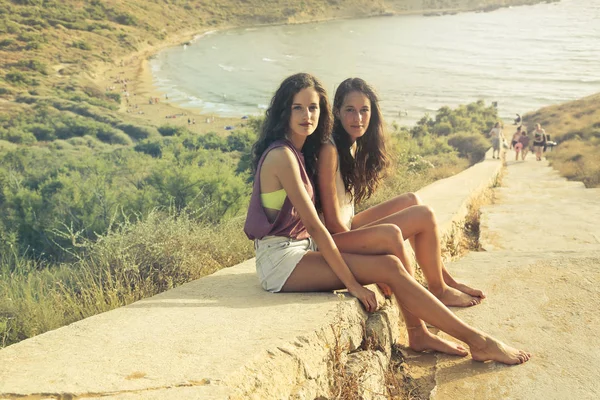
[
  {"x": 327, "y": 166},
  {"x": 283, "y": 164}
]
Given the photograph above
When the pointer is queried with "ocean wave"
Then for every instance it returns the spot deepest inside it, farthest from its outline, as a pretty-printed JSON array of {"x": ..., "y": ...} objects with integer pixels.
[
  {"x": 268, "y": 59},
  {"x": 227, "y": 68},
  {"x": 202, "y": 35}
]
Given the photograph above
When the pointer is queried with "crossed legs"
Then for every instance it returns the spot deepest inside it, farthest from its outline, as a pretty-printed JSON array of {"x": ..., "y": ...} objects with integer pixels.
[{"x": 417, "y": 223}]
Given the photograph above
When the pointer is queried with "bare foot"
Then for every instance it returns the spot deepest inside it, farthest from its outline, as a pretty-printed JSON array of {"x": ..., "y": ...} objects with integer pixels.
[
  {"x": 455, "y": 298},
  {"x": 424, "y": 341},
  {"x": 494, "y": 350},
  {"x": 386, "y": 290},
  {"x": 468, "y": 290}
]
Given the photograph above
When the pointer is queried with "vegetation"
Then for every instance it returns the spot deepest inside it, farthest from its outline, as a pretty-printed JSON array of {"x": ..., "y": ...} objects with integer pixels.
[
  {"x": 98, "y": 211},
  {"x": 89, "y": 223},
  {"x": 575, "y": 127}
]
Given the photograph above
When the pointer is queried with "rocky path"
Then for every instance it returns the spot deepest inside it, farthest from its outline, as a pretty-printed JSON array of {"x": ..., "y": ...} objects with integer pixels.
[{"x": 541, "y": 272}]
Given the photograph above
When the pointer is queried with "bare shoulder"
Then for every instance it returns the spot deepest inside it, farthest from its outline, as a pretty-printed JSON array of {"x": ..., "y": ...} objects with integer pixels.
[
  {"x": 328, "y": 150},
  {"x": 279, "y": 156},
  {"x": 328, "y": 160}
]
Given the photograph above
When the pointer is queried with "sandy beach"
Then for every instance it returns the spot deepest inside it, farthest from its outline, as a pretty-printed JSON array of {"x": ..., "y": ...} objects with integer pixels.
[{"x": 141, "y": 100}]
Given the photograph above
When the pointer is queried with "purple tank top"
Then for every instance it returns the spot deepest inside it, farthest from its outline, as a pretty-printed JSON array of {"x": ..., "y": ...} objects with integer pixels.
[{"x": 287, "y": 223}]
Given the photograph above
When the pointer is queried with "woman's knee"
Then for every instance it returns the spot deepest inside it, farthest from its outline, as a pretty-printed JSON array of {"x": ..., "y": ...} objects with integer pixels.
[
  {"x": 392, "y": 234},
  {"x": 427, "y": 214},
  {"x": 414, "y": 199},
  {"x": 393, "y": 269}
]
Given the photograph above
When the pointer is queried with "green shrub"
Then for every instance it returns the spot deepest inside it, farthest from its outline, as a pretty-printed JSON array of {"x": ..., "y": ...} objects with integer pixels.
[
  {"x": 92, "y": 142},
  {"x": 78, "y": 141},
  {"x": 61, "y": 145},
  {"x": 33, "y": 46},
  {"x": 241, "y": 140},
  {"x": 42, "y": 132},
  {"x": 20, "y": 78},
  {"x": 30, "y": 37},
  {"x": 36, "y": 23},
  {"x": 114, "y": 96},
  {"x": 113, "y": 136},
  {"x": 6, "y": 145},
  {"x": 472, "y": 146},
  {"x": 81, "y": 44},
  {"x": 7, "y": 42},
  {"x": 418, "y": 164},
  {"x": 33, "y": 65},
  {"x": 125, "y": 19},
  {"x": 19, "y": 137},
  {"x": 442, "y": 129},
  {"x": 7, "y": 26},
  {"x": 171, "y": 130},
  {"x": 37, "y": 3},
  {"x": 138, "y": 132},
  {"x": 152, "y": 148}
]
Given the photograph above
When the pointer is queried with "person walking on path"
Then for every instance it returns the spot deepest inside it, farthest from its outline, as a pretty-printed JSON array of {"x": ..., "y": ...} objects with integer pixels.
[
  {"x": 496, "y": 135},
  {"x": 349, "y": 170},
  {"x": 515, "y": 137},
  {"x": 294, "y": 250},
  {"x": 539, "y": 141},
  {"x": 523, "y": 144},
  {"x": 515, "y": 141}
]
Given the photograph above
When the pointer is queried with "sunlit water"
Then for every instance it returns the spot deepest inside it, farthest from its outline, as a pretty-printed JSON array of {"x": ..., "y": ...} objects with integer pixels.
[{"x": 523, "y": 58}]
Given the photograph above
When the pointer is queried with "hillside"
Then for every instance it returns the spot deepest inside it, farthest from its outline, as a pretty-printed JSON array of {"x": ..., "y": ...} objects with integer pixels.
[
  {"x": 46, "y": 44},
  {"x": 576, "y": 127}
]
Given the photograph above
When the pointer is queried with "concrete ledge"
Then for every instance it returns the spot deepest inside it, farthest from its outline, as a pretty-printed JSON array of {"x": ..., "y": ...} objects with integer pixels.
[{"x": 218, "y": 337}]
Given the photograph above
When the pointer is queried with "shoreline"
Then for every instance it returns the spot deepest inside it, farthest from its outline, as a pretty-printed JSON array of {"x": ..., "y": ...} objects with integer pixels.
[
  {"x": 134, "y": 68},
  {"x": 131, "y": 73}
]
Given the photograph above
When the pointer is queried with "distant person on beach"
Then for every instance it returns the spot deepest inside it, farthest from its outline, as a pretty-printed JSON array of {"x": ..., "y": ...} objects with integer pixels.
[
  {"x": 539, "y": 141},
  {"x": 350, "y": 167},
  {"x": 296, "y": 253},
  {"x": 496, "y": 135},
  {"x": 524, "y": 144},
  {"x": 517, "y": 120}
]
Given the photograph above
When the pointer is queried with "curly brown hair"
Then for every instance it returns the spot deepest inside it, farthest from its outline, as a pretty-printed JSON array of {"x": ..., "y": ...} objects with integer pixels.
[
  {"x": 362, "y": 172},
  {"x": 277, "y": 120}
]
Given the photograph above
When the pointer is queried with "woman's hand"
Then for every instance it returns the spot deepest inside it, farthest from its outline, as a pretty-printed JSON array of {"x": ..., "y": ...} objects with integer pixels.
[{"x": 366, "y": 297}]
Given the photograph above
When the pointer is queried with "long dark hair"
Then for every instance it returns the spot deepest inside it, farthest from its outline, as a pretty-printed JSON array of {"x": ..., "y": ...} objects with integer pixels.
[
  {"x": 363, "y": 172},
  {"x": 277, "y": 120}
]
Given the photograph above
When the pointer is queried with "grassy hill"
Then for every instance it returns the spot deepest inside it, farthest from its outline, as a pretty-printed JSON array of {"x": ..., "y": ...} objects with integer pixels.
[{"x": 576, "y": 127}]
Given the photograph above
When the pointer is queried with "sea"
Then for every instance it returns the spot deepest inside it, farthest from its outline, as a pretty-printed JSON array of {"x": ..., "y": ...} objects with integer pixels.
[{"x": 518, "y": 58}]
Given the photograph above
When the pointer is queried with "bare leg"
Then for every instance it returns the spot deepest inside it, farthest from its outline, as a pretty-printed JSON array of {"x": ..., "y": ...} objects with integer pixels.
[
  {"x": 386, "y": 208},
  {"x": 418, "y": 223},
  {"x": 387, "y": 239},
  {"x": 313, "y": 274},
  {"x": 538, "y": 153}
]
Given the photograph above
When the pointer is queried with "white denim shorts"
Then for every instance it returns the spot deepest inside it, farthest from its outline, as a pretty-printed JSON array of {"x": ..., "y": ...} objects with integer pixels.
[{"x": 276, "y": 258}]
